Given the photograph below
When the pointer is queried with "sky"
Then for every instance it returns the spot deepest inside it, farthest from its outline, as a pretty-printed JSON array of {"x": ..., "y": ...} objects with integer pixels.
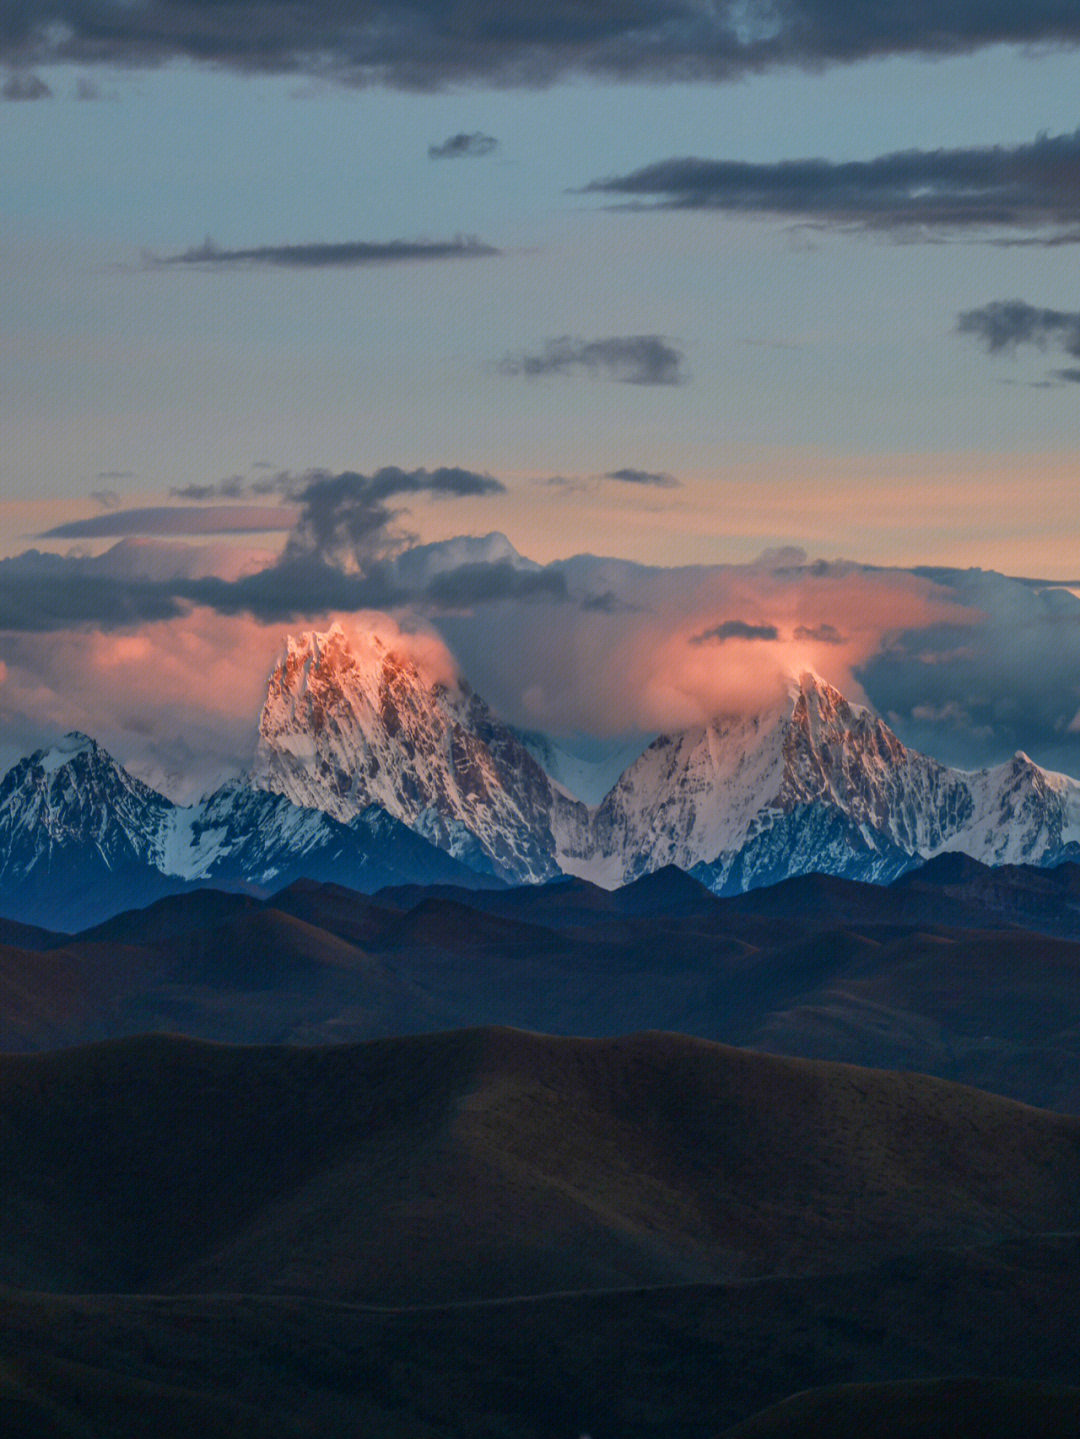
[{"x": 770, "y": 309}]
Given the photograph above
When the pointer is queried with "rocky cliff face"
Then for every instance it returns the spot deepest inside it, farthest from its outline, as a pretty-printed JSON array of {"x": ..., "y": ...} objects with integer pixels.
[
  {"x": 352, "y": 722},
  {"x": 822, "y": 784},
  {"x": 375, "y": 768}
]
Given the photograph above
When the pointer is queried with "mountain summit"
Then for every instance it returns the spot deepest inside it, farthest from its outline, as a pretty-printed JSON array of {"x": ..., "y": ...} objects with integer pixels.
[
  {"x": 376, "y": 764},
  {"x": 351, "y": 722},
  {"x": 813, "y": 782}
]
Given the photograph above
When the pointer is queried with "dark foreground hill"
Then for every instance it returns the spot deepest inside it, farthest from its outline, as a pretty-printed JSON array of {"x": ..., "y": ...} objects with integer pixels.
[
  {"x": 960, "y": 1408},
  {"x": 942, "y": 973},
  {"x": 492, "y": 1163},
  {"x": 675, "y": 1363}
]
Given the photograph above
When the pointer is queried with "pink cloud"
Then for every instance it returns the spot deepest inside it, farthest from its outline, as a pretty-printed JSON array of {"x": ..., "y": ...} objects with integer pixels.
[{"x": 176, "y": 701}]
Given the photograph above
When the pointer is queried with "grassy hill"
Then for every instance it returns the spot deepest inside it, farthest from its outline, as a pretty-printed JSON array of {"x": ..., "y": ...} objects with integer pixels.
[{"x": 488, "y": 1163}]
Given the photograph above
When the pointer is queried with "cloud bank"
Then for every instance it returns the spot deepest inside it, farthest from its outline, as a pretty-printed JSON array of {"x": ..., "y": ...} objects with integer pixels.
[
  {"x": 966, "y": 665},
  {"x": 1033, "y": 186},
  {"x": 438, "y": 42}
]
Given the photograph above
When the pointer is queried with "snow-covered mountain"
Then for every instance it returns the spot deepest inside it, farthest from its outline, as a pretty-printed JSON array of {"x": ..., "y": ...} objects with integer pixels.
[
  {"x": 351, "y": 722},
  {"x": 74, "y": 827},
  {"x": 818, "y": 783},
  {"x": 376, "y": 767},
  {"x": 80, "y": 839},
  {"x": 811, "y": 783}
]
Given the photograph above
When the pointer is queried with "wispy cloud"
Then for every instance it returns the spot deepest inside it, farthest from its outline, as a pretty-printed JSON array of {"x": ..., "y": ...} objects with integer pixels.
[
  {"x": 22, "y": 86},
  {"x": 1005, "y": 324},
  {"x": 735, "y": 630},
  {"x": 518, "y": 42},
  {"x": 658, "y": 479},
  {"x": 236, "y": 487},
  {"x": 463, "y": 146},
  {"x": 323, "y": 255},
  {"x": 175, "y": 520},
  {"x": 820, "y": 634},
  {"x": 1033, "y": 187},
  {"x": 631, "y": 359}
]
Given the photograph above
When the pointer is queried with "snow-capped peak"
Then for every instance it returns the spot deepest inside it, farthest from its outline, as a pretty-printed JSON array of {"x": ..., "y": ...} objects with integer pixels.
[
  {"x": 67, "y": 748},
  {"x": 354, "y": 719}
]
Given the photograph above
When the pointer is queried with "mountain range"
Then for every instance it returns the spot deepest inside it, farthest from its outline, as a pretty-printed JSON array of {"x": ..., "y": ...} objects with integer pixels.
[
  {"x": 373, "y": 767},
  {"x": 956, "y": 969}
]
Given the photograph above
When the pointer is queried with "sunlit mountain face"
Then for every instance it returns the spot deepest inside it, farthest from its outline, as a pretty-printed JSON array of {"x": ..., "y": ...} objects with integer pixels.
[{"x": 377, "y": 763}]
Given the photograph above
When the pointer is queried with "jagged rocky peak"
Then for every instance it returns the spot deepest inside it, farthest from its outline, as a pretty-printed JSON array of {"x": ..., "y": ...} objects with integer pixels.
[
  {"x": 378, "y": 717},
  {"x": 73, "y": 771}
]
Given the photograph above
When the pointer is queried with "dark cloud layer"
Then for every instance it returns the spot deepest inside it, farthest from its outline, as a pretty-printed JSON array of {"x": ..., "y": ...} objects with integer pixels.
[
  {"x": 427, "y": 43},
  {"x": 631, "y": 359},
  {"x": 338, "y": 557},
  {"x": 41, "y": 592},
  {"x": 463, "y": 146},
  {"x": 488, "y": 583},
  {"x": 1033, "y": 186},
  {"x": 324, "y": 255},
  {"x": 974, "y": 694},
  {"x": 735, "y": 630},
  {"x": 1004, "y": 324},
  {"x": 656, "y": 478}
]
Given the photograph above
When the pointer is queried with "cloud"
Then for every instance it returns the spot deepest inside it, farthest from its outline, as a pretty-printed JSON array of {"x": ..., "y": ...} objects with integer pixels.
[
  {"x": 965, "y": 665},
  {"x": 1004, "y": 324},
  {"x": 658, "y": 479},
  {"x": 235, "y": 487},
  {"x": 178, "y": 700},
  {"x": 176, "y": 520},
  {"x": 41, "y": 592},
  {"x": 343, "y": 536},
  {"x": 1069, "y": 376},
  {"x": 735, "y": 630},
  {"x": 108, "y": 499},
  {"x": 489, "y": 583},
  {"x": 464, "y": 147},
  {"x": 975, "y": 693},
  {"x": 619, "y": 655},
  {"x": 1034, "y": 186},
  {"x": 346, "y": 519},
  {"x": 324, "y": 255},
  {"x": 820, "y": 634},
  {"x": 631, "y": 359},
  {"x": 439, "y": 42},
  {"x": 21, "y": 86}
]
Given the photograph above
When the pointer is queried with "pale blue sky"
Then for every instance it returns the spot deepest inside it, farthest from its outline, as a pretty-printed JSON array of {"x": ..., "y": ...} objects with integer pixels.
[{"x": 817, "y": 360}]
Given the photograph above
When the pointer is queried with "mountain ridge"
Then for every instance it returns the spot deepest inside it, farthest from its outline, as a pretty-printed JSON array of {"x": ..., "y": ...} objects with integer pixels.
[{"x": 377, "y": 765}]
